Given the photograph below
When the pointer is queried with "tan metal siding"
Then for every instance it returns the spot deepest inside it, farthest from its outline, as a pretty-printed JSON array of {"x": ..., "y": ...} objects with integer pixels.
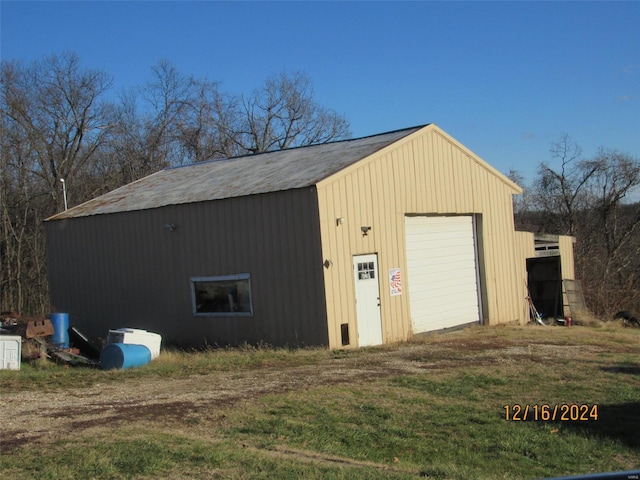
[
  {"x": 126, "y": 269},
  {"x": 567, "y": 266},
  {"x": 525, "y": 248},
  {"x": 525, "y": 244},
  {"x": 428, "y": 172},
  {"x": 567, "y": 261}
]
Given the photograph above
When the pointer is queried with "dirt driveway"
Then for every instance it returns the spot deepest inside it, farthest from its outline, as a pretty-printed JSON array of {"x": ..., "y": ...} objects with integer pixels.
[{"x": 33, "y": 416}]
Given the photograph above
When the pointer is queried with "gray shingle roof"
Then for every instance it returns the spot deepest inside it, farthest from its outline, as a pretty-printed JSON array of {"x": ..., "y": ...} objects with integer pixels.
[{"x": 235, "y": 177}]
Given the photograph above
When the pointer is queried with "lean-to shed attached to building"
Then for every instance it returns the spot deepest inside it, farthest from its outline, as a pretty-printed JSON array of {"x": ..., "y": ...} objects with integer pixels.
[{"x": 353, "y": 243}]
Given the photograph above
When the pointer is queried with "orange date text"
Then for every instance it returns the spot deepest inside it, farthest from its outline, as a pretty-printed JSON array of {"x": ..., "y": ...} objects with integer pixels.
[{"x": 566, "y": 412}]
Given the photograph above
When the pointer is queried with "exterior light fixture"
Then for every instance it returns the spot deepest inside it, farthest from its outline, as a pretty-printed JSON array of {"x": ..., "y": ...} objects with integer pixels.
[
  {"x": 170, "y": 227},
  {"x": 327, "y": 263},
  {"x": 365, "y": 230},
  {"x": 64, "y": 193},
  {"x": 339, "y": 221}
]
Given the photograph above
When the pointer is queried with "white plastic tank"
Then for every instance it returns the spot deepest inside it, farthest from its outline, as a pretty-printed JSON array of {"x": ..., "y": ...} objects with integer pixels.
[{"x": 138, "y": 337}]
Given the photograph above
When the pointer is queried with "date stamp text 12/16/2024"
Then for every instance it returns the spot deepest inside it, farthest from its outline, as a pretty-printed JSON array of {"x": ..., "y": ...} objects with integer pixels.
[{"x": 565, "y": 412}]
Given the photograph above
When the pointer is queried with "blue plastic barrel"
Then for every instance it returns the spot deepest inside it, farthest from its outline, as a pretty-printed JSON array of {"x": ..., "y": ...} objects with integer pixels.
[
  {"x": 124, "y": 355},
  {"x": 60, "y": 322}
]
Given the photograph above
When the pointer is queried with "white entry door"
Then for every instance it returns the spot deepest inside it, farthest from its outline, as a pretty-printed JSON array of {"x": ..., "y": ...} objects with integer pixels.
[{"x": 365, "y": 270}]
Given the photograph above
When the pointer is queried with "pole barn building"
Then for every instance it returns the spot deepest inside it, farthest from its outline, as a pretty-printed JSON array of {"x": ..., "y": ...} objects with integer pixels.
[{"x": 347, "y": 244}]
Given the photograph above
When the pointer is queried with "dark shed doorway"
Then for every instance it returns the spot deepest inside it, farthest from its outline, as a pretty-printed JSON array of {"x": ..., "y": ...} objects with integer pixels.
[{"x": 545, "y": 285}]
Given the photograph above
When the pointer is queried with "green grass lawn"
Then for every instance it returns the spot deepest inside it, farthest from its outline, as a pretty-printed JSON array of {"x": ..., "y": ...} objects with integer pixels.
[{"x": 444, "y": 418}]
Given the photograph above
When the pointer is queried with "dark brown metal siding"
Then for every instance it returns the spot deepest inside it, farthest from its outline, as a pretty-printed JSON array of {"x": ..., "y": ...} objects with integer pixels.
[{"x": 127, "y": 270}]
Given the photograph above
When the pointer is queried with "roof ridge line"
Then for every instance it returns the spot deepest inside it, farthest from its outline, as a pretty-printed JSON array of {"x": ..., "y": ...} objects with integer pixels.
[{"x": 344, "y": 140}]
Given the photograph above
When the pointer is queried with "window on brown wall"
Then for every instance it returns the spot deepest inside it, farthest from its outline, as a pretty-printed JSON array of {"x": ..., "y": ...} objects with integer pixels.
[{"x": 224, "y": 296}]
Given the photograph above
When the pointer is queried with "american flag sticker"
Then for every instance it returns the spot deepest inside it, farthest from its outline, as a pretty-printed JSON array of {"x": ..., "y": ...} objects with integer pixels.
[{"x": 395, "y": 281}]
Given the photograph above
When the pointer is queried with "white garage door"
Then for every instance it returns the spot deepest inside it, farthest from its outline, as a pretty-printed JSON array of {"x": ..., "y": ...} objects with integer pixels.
[{"x": 442, "y": 275}]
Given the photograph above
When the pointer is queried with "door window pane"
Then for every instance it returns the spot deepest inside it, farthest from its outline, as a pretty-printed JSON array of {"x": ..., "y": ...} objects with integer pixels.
[{"x": 366, "y": 271}]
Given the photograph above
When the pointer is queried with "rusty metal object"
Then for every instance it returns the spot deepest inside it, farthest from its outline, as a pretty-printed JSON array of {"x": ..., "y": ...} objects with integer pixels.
[{"x": 39, "y": 328}]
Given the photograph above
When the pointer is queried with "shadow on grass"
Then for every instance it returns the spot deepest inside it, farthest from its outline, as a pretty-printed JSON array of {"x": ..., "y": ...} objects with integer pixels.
[
  {"x": 633, "y": 369},
  {"x": 619, "y": 422}
]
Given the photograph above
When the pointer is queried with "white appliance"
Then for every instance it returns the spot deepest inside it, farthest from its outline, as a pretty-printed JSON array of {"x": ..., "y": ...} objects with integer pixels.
[{"x": 138, "y": 337}]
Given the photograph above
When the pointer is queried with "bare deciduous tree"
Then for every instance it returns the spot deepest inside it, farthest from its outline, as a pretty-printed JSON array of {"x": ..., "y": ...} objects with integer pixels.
[
  {"x": 284, "y": 114},
  {"x": 612, "y": 233},
  {"x": 54, "y": 123},
  {"x": 562, "y": 191}
]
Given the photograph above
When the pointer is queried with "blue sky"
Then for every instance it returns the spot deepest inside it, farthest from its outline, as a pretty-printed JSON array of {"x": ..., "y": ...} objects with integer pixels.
[{"x": 504, "y": 78}]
